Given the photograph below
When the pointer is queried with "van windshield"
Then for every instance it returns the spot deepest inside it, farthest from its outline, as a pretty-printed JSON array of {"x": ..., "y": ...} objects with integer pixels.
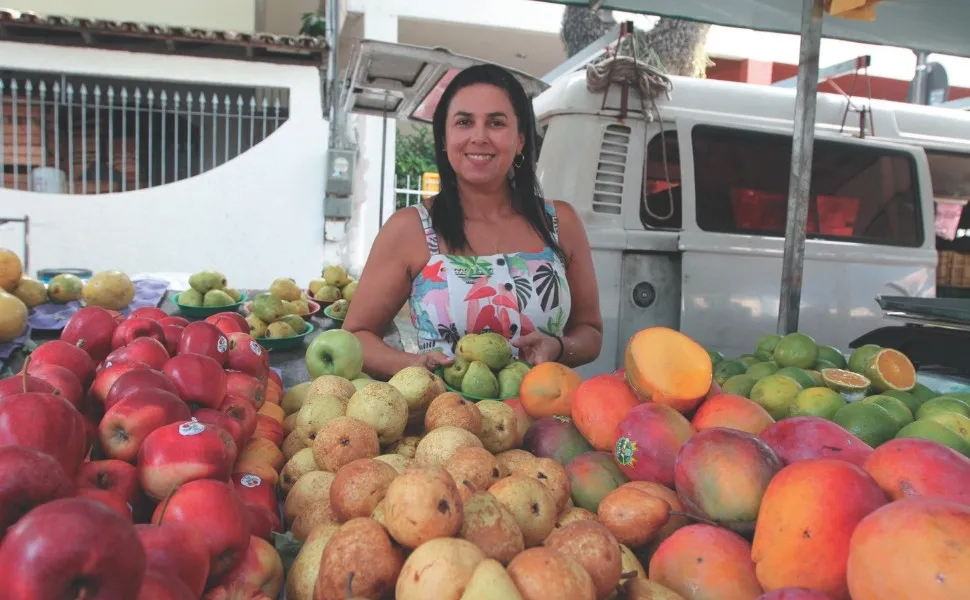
[{"x": 858, "y": 193}]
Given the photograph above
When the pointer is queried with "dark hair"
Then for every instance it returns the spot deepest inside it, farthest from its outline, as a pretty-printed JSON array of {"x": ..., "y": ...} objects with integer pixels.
[{"x": 446, "y": 214}]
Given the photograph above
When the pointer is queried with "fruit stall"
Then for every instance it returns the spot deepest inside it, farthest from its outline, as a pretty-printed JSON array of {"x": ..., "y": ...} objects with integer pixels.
[{"x": 193, "y": 444}]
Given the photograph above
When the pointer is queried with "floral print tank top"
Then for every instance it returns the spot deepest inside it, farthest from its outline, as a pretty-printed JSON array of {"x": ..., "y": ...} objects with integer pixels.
[{"x": 510, "y": 294}]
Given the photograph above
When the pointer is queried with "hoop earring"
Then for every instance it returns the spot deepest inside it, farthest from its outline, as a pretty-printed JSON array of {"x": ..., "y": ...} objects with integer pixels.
[{"x": 519, "y": 160}]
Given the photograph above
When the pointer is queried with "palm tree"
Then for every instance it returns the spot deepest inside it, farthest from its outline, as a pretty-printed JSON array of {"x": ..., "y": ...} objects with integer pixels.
[{"x": 674, "y": 46}]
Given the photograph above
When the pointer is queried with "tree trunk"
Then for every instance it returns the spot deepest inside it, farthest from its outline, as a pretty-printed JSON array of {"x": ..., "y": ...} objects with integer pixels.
[{"x": 674, "y": 46}]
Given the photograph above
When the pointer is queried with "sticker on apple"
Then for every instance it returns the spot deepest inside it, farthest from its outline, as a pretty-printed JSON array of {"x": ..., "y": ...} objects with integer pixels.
[
  {"x": 256, "y": 348},
  {"x": 223, "y": 344},
  {"x": 191, "y": 428},
  {"x": 249, "y": 480}
]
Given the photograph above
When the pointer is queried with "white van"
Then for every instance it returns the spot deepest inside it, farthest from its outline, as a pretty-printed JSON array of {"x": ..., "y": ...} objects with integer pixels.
[{"x": 686, "y": 212}]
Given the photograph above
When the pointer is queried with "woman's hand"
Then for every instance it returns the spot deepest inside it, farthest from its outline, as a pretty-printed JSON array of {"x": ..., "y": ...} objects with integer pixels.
[
  {"x": 537, "y": 348},
  {"x": 432, "y": 360}
]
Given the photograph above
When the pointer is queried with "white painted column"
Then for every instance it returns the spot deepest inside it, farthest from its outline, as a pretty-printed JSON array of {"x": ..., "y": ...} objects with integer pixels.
[{"x": 380, "y": 23}]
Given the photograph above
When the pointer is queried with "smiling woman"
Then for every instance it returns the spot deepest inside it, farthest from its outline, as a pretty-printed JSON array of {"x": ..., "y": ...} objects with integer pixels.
[{"x": 488, "y": 253}]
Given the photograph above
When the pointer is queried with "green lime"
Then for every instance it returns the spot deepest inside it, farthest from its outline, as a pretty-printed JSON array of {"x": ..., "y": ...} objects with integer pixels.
[
  {"x": 832, "y": 356},
  {"x": 726, "y": 369},
  {"x": 870, "y": 423},
  {"x": 859, "y": 358},
  {"x": 912, "y": 402},
  {"x": 775, "y": 393},
  {"x": 747, "y": 359},
  {"x": 739, "y": 384},
  {"x": 923, "y": 393},
  {"x": 890, "y": 369},
  {"x": 759, "y": 370},
  {"x": 851, "y": 386},
  {"x": 716, "y": 356},
  {"x": 943, "y": 404},
  {"x": 766, "y": 346},
  {"x": 796, "y": 350},
  {"x": 816, "y": 402},
  {"x": 895, "y": 407},
  {"x": 955, "y": 422},
  {"x": 800, "y": 375},
  {"x": 931, "y": 430},
  {"x": 817, "y": 376}
]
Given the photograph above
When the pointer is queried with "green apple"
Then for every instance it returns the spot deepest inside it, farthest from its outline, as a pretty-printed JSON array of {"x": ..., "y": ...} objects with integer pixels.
[{"x": 335, "y": 352}]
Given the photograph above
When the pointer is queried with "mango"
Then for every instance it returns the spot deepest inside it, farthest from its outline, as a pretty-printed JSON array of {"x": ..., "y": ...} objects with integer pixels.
[
  {"x": 593, "y": 475},
  {"x": 806, "y": 520},
  {"x": 908, "y": 467},
  {"x": 912, "y": 548},
  {"x": 703, "y": 562},
  {"x": 733, "y": 411},
  {"x": 648, "y": 440},
  {"x": 808, "y": 438},
  {"x": 794, "y": 594},
  {"x": 556, "y": 438},
  {"x": 722, "y": 474}
]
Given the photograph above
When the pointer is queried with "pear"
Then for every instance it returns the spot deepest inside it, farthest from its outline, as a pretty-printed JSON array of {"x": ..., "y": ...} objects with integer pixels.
[
  {"x": 316, "y": 284},
  {"x": 31, "y": 292},
  {"x": 334, "y": 274},
  {"x": 509, "y": 381},
  {"x": 285, "y": 288},
  {"x": 296, "y": 323},
  {"x": 339, "y": 308},
  {"x": 294, "y": 398},
  {"x": 349, "y": 290},
  {"x": 302, "y": 307},
  {"x": 328, "y": 293},
  {"x": 490, "y": 581},
  {"x": 203, "y": 281},
  {"x": 490, "y": 348},
  {"x": 257, "y": 327},
  {"x": 479, "y": 381},
  {"x": 267, "y": 307},
  {"x": 455, "y": 372},
  {"x": 216, "y": 298},
  {"x": 279, "y": 329},
  {"x": 191, "y": 298},
  {"x": 290, "y": 308},
  {"x": 234, "y": 294}
]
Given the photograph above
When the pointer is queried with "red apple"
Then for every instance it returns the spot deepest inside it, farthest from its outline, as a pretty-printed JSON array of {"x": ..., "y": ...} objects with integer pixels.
[
  {"x": 205, "y": 339},
  {"x": 63, "y": 380},
  {"x": 262, "y": 567},
  {"x": 215, "y": 508},
  {"x": 112, "y": 500},
  {"x": 162, "y": 586},
  {"x": 66, "y": 355},
  {"x": 216, "y": 418},
  {"x": 28, "y": 478},
  {"x": 131, "y": 329},
  {"x": 113, "y": 475},
  {"x": 273, "y": 375},
  {"x": 263, "y": 522},
  {"x": 199, "y": 379},
  {"x": 252, "y": 489},
  {"x": 91, "y": 329},
  {"x": 246, "y": 355},
  {"x": 144, "y": 349},
  {"x": 71, "y": 548},
  {"x": 231, "y": 316},
  {"x": 178, "y": 550},
  {"x": 177, "y": 321},
  {"x": 136, "y": 380},
  {"x": 229, "y": 323},
  {"x": 173, "y": 335},
  {"x": 21, "y": 383},
  {"x": 127, "y": 423},
  {"x": 270, "y": 429},
  {"x": 178, "y": 453},
  {"x": 45, "y": 422},
  {"x": 246, "y": 386},
  {"x": 236, "y": 591},
  {"x": 107, "y": 378},
  {"x": 152, "y": 313},
  {"x": 242, "y": 411}
]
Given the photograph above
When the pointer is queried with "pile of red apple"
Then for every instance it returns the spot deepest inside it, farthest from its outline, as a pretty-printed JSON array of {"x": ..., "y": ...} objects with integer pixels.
[{"x": 139, "y": 460}]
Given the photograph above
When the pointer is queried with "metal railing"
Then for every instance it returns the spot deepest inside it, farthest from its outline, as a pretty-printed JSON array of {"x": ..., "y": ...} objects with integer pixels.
[
  {"x": 119, "y": 135},
  {"x": 408, "y": 196}
]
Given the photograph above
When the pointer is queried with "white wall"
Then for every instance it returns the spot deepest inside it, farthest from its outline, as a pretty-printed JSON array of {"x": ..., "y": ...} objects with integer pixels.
[{"x": 256, "y": 217}]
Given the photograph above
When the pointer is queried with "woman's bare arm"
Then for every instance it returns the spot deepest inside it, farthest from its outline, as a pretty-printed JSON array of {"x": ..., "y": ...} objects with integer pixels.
[
  {"x": 384, "y": 287},
  {"x": 583, "y": 337}
]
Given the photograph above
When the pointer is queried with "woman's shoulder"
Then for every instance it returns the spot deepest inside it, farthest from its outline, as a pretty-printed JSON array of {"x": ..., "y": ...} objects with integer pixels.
[{"x": 565, "y": 213}]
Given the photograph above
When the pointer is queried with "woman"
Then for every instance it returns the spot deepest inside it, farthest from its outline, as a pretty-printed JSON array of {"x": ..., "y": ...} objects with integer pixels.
[{"x": 486, "y": 253}]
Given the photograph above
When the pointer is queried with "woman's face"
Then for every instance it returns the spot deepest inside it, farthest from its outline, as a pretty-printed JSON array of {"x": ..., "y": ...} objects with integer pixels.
[{"x": 482, "y": 134}]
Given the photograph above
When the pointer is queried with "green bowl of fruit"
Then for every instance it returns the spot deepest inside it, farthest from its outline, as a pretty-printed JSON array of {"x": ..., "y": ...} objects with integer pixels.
[
  {"x": 288, "y": 342},
  {"x": 202, "y": 312},
  {"x": 484, "y": 368}
]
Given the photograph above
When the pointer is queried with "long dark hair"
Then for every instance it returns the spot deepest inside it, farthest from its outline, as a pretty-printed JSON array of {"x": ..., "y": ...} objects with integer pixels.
[{"x": 446, "y": 214}]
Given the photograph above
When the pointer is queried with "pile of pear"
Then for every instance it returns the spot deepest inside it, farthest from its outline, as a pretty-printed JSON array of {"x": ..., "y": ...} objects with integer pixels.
[
  {"x": 209, "y": 288},
  {"x": 484, "y": 367},
  {"x": 335, "y": 287},
  {"x": 279, "y": 312}
]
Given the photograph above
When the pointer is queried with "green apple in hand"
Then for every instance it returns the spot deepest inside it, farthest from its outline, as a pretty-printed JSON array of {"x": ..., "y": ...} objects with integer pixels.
[{"x": 335, "y": 352}]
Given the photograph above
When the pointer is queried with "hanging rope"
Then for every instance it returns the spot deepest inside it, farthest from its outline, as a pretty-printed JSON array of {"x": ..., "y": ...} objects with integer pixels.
[{"x": 649, "y": 83}]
